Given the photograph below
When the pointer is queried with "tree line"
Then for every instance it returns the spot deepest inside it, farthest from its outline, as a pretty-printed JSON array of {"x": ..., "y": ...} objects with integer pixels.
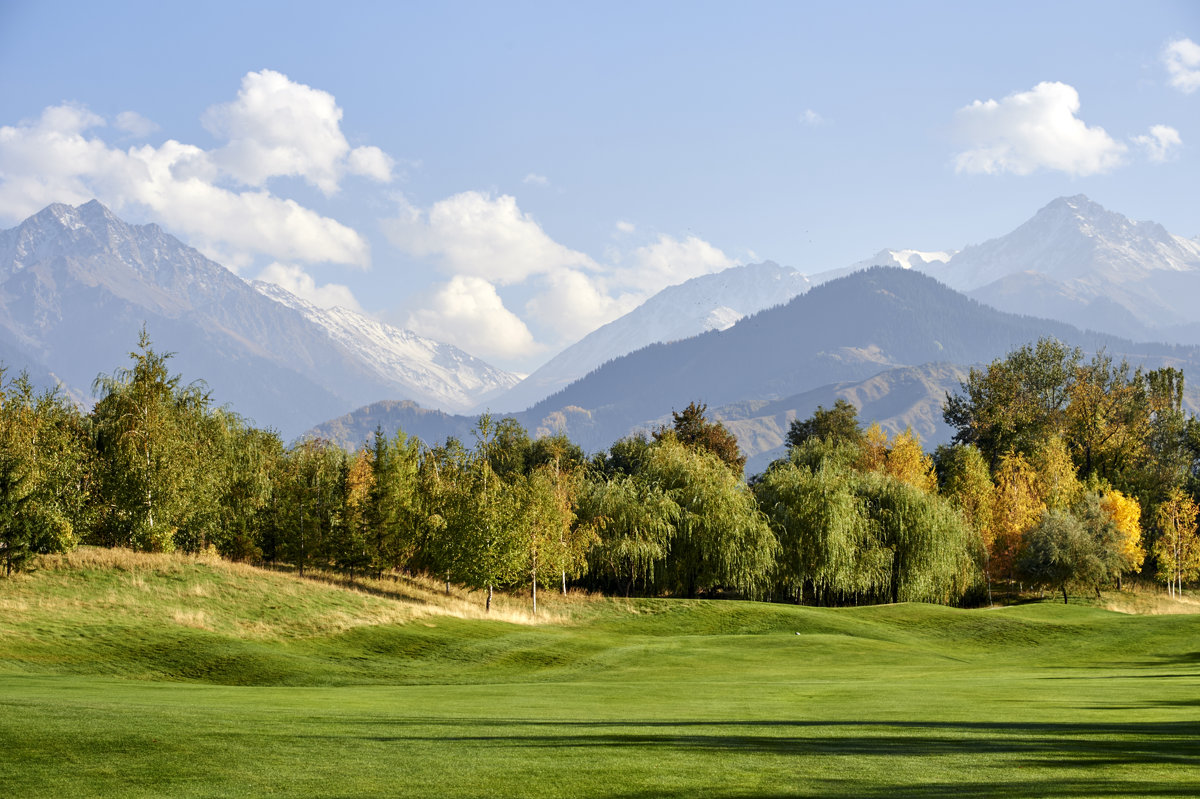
[{"x": 1058, "y": 467}]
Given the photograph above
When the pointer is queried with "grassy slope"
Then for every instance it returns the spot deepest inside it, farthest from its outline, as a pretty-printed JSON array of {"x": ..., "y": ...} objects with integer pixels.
[{"x": 144, "y": 676}]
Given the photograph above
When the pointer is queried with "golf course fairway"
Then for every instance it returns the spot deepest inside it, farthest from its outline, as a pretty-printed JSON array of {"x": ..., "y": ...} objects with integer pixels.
[{"x": 146, "y": 676}]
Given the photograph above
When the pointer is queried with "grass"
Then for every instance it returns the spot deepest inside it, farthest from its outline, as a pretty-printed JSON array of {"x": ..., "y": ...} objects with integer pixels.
[{"x": 127, "y": 675}]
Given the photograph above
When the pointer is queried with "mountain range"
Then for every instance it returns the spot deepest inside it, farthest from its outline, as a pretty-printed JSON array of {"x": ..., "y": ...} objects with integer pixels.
[
  {"x": 77, "y": 284},
  {"x": 760, "y": 344}
]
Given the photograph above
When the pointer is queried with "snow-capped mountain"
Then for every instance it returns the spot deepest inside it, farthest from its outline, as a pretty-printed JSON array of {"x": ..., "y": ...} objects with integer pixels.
[
  {"x": 76, "y": 285},
  {"x": 708, "y": 302},
  {"x": 438, "y": 375},
  {"x": 1073, "y": 241}
]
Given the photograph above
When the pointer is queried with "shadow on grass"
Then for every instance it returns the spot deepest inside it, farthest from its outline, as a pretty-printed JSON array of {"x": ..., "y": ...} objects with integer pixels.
[{"x": 1059, "y": 759}]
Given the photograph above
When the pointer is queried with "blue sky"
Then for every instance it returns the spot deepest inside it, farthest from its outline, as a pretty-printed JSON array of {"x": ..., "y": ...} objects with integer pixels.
[{"x": 507, "y": 176}]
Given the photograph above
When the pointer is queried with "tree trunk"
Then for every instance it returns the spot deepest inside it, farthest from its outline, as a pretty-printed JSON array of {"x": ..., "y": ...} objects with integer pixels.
[
  {"x": 488, "y": 607},
  {"x": 534, "y": 596},
  {"x": 564, "y": 575},
  {"x": 1064, "y": 589}
]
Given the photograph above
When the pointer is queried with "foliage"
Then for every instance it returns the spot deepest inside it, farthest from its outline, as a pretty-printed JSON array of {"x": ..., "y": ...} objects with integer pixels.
[
  {"x": 693, "y": 429},
  {"x": 838, "y": 424},
  {"x": 721, "y": 539},
  {"x": 44, "y": 473},
  {"x": 1177, "y": 549},
  {"x": 1065, "y": 548}
]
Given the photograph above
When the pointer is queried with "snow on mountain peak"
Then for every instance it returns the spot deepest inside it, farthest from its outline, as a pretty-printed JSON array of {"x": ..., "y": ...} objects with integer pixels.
[{"x": 443, "y": 375}]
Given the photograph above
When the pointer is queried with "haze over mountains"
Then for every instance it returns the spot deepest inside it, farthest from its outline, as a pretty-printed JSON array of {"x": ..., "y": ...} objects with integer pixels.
[
  {"x": 760, "y": 344},
  {"x": 76, "y": 285}
]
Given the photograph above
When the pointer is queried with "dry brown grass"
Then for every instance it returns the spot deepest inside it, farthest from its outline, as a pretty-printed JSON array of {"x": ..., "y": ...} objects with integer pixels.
[
  {"x": 257, "y": 602},
  {"x": 1150, "y": 599}
]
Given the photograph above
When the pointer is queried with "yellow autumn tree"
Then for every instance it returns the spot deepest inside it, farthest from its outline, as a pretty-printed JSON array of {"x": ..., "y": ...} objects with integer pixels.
[
  {"x": 1058, "y": 485},
  {"x": 1019, "y": 507},
  {"x": 1177, "y": 549},
  {"x": 908, "y": 463},
  {"x": 874, "y": 451},
  {"x": 1126, "y": 514}
]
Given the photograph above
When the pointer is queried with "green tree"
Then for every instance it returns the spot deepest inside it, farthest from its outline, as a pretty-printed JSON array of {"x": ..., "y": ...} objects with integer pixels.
[
  {"x": 693, "y": 429},
  {"x": 1061, "y": 550},
  {"x": 838, "y": 424},
  {"x": 44, "y": 470},
  {"x": 634, "y": 521},
  {"x": 721, "y": 538},
  {"x": 1016, "y": 402},
  {"x": 150, "y": 457}
]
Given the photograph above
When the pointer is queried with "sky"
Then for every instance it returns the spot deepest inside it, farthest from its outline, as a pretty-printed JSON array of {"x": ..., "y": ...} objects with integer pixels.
[{"x": 508, "y": 176}]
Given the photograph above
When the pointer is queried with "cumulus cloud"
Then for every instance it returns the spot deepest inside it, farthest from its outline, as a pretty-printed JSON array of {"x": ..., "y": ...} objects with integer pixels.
[
  {"x": 298, "y": 282},
  {"x": 1032, "y": 130},
  {"x": 573, "y": 304},
  {"x": 277, "y": 127},
  {"x": 475, "y": 234},
  {"x": 134, "y": 124},
  {"x": 485, "y": 242},
  {"x": 213, "y": 197},
  {"x": 468, "y": 312},
  {"x": 1160, "y": 143},
  {"x": 1182, "y": 59},
  {"x": 669, "y": 261}
]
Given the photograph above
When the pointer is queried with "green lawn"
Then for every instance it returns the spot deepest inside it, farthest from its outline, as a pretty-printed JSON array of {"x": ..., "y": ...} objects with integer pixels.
[{"x": 184, "y": 678}]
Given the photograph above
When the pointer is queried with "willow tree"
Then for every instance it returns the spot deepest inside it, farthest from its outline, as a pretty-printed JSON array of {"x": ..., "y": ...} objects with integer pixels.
[
  {"x": 966, "y": 483},
  {"x": 931, "y": 546},
  {"x": 721, "y": 538},
  {"x": 634, "y": 521},
  {"x": 822, "y": 528}
]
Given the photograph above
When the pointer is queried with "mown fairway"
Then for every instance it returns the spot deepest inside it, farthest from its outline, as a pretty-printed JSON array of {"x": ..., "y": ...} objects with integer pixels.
[{"x": 174, "y": 677}]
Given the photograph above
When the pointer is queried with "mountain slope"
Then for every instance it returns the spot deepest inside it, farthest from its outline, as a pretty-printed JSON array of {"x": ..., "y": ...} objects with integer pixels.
[
  {"x": 892, "y": 341},
  {"x": 76, "y": 284},
  {"x": 843, "y": 331},
  {"x": 708, "y": 302},
  {"x": 436, "y": 374},
  {"x": 1079, "y": 262}
]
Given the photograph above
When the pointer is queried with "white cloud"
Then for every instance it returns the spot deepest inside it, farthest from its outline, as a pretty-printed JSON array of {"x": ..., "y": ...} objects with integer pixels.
[
  {"x": 1160, "y": 143},
  {"x": 669, "y": 261},
  {"x": 1182, "y": 59},
  {"x": 474, "y": 234},
  {"x": 277, "y": 127},
  {"x": 298, "y": 282},
  {"x": 467, "y": 312},
  {"x": 134, "y": 124},
  {"x": 201, "y": 194},
  {"x": 1032, "y": 130},
  {"x": 484, "y": 242},
  {"x": 534, "y": 179},
  {"x": 573, "y": 304},
  {"x": 811, "y": 118}
]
